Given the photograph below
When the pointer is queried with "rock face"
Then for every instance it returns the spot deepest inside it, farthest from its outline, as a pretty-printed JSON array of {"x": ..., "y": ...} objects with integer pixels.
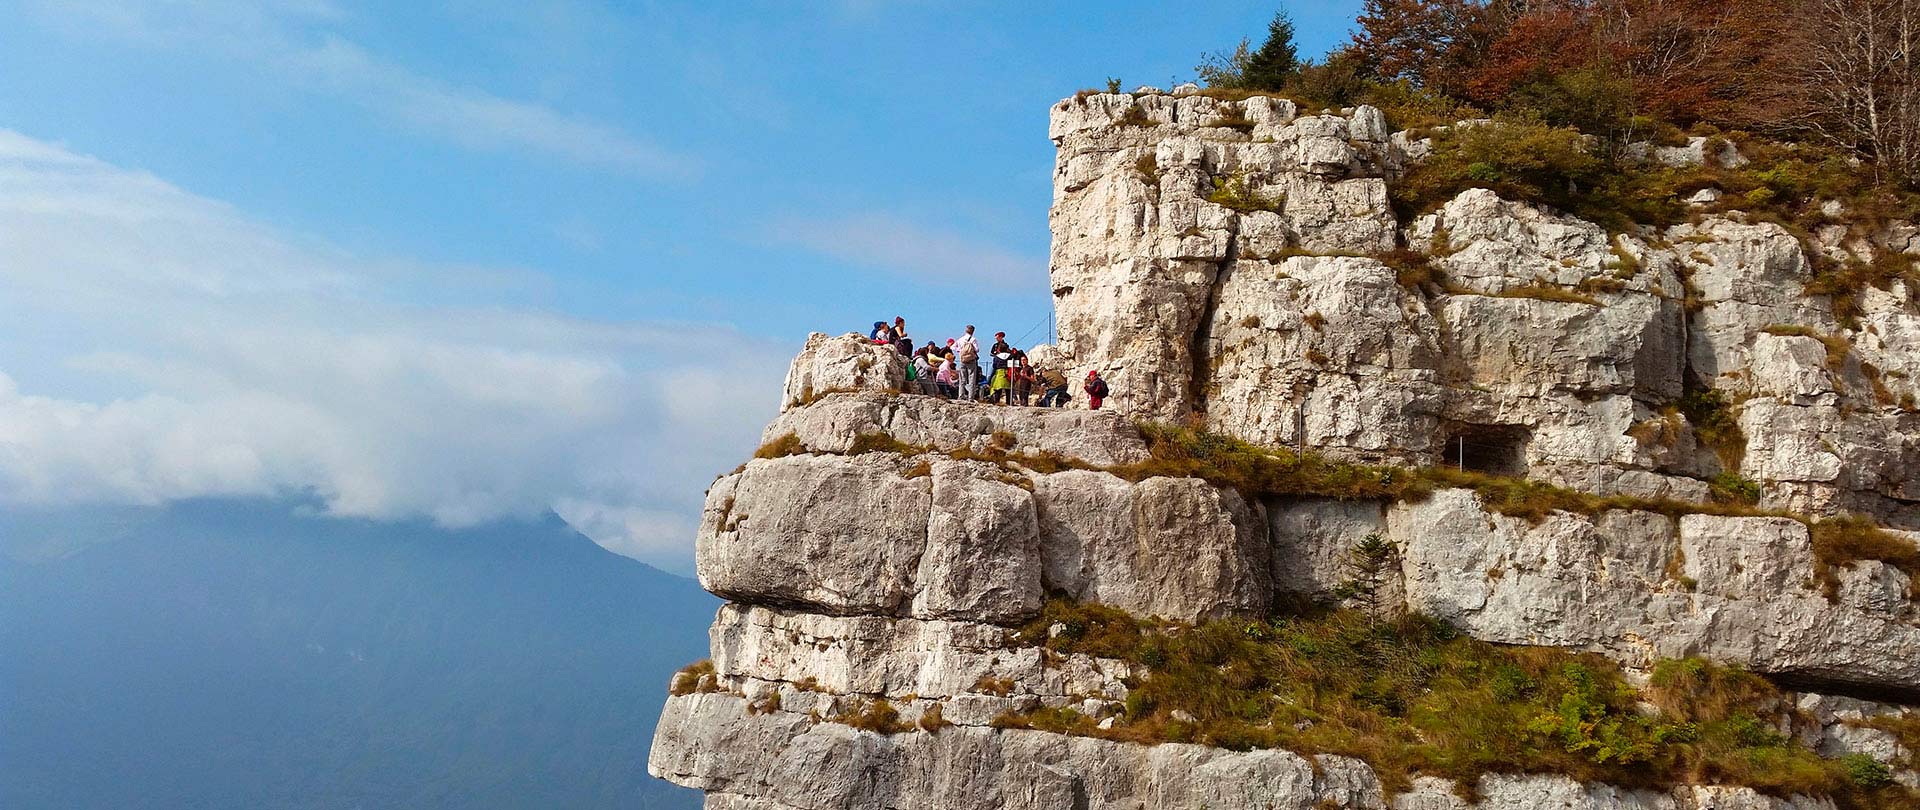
[
  {"x": 781, "y": 760},
  {"x": 1237, "y": 266},
  {"x": 1546, "y": 347},
  {"x": 847, "y": 363},
  {"x": 881, "y": 534}
]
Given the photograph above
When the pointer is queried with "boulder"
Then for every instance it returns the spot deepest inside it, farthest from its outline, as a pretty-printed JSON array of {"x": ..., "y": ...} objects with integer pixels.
[
  {"x": 846, "y": 363},
  {"x": 838, "y": 534},
  {"x": 834, "y": 423}
]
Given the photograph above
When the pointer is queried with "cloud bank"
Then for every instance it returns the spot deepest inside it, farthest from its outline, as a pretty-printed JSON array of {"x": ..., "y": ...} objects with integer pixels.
[{"x": 161, "y": 346}]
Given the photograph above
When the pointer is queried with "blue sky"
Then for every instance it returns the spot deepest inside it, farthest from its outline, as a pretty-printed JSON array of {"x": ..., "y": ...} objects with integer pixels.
[{"x": 473, "y": 259}]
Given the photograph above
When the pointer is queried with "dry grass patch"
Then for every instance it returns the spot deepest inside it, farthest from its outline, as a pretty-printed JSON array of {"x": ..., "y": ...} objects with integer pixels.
[
  {"x": 697, "y": 677},
  {"x": 1184, "y": 452},
  {"x": 1843, "y": 540},
  {"x": 998, "y": 687},
  {"x": 786, "y": 444},
  {"x": 1234, "y": 119},
  {"x": 882, "y": 443},
  {"x": 1548, "y": 292},
  {"x": 876, "y": 715},
  {"x": 1148, "y": 167},
  {"x": 1413, "y": 269},
  {"x": 1135, "y": 116}
]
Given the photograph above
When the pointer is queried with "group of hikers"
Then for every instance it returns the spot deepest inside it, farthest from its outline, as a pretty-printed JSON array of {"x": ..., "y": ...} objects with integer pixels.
[{"x": 953, "y": 370}]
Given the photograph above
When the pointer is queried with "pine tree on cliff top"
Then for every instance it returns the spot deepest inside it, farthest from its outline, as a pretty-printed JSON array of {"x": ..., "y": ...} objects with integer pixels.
[
  {"x": 1269, "y": 69},
  {"x": 1277, "y": 62}
]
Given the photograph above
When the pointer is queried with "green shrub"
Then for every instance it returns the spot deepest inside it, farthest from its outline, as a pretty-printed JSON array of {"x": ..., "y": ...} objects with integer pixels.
[
  {"x": 1866, "y": 771},
  {"x": 1714, "y": 424},
  {"x": 1517, "y": 158},
  {"x": 1414, "y": 108},
  {"x": 1593, "y": 100},
  {"x": 1234, "y": 192},
  {"x": 1735, "y": 488},
  {"x": 1366, "y": 567}
]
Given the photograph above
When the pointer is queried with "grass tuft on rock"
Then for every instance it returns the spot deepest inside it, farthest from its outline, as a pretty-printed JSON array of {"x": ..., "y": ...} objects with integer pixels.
[
  {"x": 696, "y": 677},
  {"x": 876, "y": 715},
  {"x": 1411, "y": 697},
  {"x": 1253, "y": 470},
  {"x": 1840, "y": 541},
  {"x": 1256, "y": 471},
  {"x": 786, "y": 444}
]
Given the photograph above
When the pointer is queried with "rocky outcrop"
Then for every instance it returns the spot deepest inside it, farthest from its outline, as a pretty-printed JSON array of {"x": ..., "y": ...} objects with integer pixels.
[
  {"x": 1639, "y": 587},
  {"x": 800, "y": 764},
  {"x": 848, "y": 363},
  {"x": 837, "y": 421},
  {"x": 1542, "y": 345},
  {"x": 927, "y": 537},
  {"x": 1236, "y": 266},
  {"x": 779, "y": 759},
  {"x": 930, "y": 537}
]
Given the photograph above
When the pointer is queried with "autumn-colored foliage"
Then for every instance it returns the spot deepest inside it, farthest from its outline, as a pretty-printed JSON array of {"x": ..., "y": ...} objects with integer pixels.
[{"x": 1840, "y": 73}]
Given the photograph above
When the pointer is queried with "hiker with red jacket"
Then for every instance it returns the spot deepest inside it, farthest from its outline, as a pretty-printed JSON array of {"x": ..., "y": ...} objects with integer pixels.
[{"x": 1096, "y": 389}]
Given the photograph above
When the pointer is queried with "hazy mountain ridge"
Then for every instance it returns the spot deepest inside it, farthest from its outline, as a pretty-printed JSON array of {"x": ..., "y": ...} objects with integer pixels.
[{"x": 222, "y": 653}]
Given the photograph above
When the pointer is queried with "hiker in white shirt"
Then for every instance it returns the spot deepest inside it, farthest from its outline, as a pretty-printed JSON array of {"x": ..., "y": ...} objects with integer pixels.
[{"x": 967, "y": 356}]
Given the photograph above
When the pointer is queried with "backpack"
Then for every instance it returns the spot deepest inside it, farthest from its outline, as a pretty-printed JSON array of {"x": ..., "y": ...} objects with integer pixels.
[
  {"x": 969, "y": 353},
  {"x": 1098, "y": 388}
]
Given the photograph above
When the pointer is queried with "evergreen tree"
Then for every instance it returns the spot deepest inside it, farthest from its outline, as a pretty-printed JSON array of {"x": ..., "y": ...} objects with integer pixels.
[
  {"x": 1369, "y": 566},
  {"x": 1277, "y": 62}
]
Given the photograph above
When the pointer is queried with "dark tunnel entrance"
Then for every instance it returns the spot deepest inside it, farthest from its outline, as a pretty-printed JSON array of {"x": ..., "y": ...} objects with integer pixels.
[{"x": 1492, "y": 449}]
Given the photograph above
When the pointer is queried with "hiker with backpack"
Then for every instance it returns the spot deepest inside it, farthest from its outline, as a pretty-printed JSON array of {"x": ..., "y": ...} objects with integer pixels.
[
  {"x": 967, "y": 358},
  {"x": 1055, "y": 395},
  {"x": 1096, "y": 389}
]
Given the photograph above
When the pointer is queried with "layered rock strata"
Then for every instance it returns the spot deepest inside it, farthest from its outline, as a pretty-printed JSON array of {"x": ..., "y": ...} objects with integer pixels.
[
  {"x": 1548, "y": 347},
  {"x": 895, "y": 575},
  {"x": 1237, "y": 265},
  {"x": 924, "y": 536}
]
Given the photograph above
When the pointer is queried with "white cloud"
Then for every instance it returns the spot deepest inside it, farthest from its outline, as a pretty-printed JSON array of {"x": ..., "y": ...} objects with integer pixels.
[
  {"x": 296, "y": 40},
  {"x": 886, "y": 242},
  {"x": 245, "y": 361}
]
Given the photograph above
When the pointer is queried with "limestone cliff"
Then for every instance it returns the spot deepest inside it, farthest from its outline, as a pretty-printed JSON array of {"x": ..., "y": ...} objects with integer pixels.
[{"x": 1237, "y": 267}]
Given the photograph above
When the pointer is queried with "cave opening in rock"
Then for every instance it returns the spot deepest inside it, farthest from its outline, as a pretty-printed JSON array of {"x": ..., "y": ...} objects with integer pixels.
[{"x": 1493, "y": 449}]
